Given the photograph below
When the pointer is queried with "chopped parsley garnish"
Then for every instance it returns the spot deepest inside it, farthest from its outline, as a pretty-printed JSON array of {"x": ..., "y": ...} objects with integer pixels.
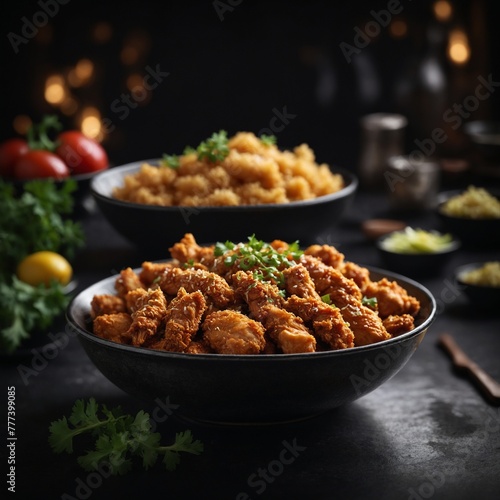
[
  {"x": 215, "y": 148},
  {"x": 171, "y": 161},
  {"x": 260, "y": 257},
  {"x": 268, "y": 140},
  {"x": 118, "y": 439},
  {"x": 370, "y": 302}
]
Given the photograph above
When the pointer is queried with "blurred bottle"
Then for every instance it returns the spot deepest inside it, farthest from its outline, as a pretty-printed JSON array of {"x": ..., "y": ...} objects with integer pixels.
[{"x": 382, "y": 137}]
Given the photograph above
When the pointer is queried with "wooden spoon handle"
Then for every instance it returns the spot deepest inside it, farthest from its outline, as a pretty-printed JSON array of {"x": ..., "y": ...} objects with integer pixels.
[{"x": 489, "y": 386}]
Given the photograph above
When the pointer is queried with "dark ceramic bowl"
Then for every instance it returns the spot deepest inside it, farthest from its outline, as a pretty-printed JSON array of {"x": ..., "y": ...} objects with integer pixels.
[
  {"x": 484, "y": 297},
  {"x": 161, "y": 227},
  {"x": 471, "y": 232},
  {"x": 485, "y": 136},
  {"x": 250, "y": 388},
  {"x": 415, "y": 264}
]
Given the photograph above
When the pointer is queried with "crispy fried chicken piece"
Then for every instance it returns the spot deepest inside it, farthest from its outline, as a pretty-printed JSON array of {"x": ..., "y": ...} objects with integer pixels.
[
  {"x": 327, "y": 254},
  {"x": 151, "y": 272},
  {"x": 230, "y": 332},
  {"x": 182, "y": 321},
  {"x": 360, "y": 275},
  {"x": 126, "y": 281},
  {"x": 285, "y": 329},
  {"x": 113, "y": 327},
  {"x": 187, "y": 250},
  {"x": 147, "y": 319},
  {"x": 106, "y": 304},
  {"x": 213, "y": 286},
  {"x": 198, "y": 347},
  {"x": 392, "y": 299},
  {"x": 365, "y": 323},
  {"x": 327, "y": 321},
  {"x": 135, "y": 299},
  {"x": 396, "y": 325}
]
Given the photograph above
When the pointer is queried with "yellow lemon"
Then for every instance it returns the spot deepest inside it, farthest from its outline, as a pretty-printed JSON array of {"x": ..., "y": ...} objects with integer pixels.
[{"x": 44, "y": 266}]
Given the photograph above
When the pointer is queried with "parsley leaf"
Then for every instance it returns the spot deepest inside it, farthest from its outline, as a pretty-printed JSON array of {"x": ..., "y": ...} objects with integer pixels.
[
  {"x": 260, "y": 257},
  {"x": 215, "y": 148},
  {"x": 119, "y": 438},
  {"x": 370, "y": 302},
  {"x": 171, "y": 161},
  {"x": 268, "y": 140}
]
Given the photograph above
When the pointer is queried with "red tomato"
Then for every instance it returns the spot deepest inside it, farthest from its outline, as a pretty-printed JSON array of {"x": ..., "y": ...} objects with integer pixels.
[
  {"x": 10, "y": 151},
  {"x": 39, "y": 163},
  {"x": 80, "y": 153}
]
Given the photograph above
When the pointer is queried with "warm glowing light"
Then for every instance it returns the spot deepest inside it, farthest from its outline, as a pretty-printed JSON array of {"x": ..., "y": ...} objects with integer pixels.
[
  {"x": 458, "y": 47},
  {"x": 69, "y": 106},
  {"x": 102, "y": 32},
  {"x": 398, "y": 28},
  {"x": 129, "y": 55},
  {"x": 55, "y": 91},
  {"x": 81, "y": 73},
  {"x": 135, "y": 80},
  {"x": 442, "y": 10},
  {"x": 21, "y": 124},
  {"x": 91, "y": 124}
]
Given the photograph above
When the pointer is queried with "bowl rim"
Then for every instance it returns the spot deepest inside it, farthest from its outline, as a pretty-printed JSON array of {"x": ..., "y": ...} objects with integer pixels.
[
  {"x": 88, "y": 336},
  {"x": 350, "y": 179},
  {"x": 454, "y": 245}
]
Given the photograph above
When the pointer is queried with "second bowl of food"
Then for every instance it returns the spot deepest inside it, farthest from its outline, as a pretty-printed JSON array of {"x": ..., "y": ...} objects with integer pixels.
[
  {"x": 472, "y": 214},
  {"x": 226, "y": 188},
  {"x": 251, "y": 332},
  {"x": 416, "y": 252}
]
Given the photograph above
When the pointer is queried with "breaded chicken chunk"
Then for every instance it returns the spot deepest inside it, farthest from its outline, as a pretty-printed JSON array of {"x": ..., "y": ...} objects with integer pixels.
[
  {"x": 327, "y": 254},
  {"x": 392, "y": 299},
  {"x": 106, "y": 304},
  {"x": 343, "y": 292},
  {"x": 265, "y": 305},
  {"x": 213, "y": 286},
  {"x": 187, "y": 251},
  {"x": 327, "y": 321},
  {"x": 182, "y": 321},
  {"x": 151, "y": 271},
  {"x": 113, "y": 327},
  {"x": 147, "y": 319},
  {"x": 230, "y": 332},
  {"x": 126, "y": 281},
  {"x": 396, "y": 325}
]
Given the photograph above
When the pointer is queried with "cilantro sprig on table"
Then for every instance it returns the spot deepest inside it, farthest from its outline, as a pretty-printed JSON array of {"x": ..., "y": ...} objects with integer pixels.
[
  {"x": 265, "y": 262},
  {"x": 118, "y": 439}
]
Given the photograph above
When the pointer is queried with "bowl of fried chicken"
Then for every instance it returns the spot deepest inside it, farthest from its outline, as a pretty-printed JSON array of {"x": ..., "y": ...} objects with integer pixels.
[
  {"x": 224, "y": 189},
  {"x": 251, "y": 331}
]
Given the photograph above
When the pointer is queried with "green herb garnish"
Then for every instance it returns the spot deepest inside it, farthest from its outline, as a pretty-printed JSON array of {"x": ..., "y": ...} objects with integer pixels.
[
  {"x": 170, "y": 161},
  {"x": 268, "y": 140},
  {"x": 119, "y": 438},
  {"x": 215, "y": 148},
  {"x": 370, "y": 302},
  {"x": 260, "y": 257},
  {"x": 25, "y": 307}
]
